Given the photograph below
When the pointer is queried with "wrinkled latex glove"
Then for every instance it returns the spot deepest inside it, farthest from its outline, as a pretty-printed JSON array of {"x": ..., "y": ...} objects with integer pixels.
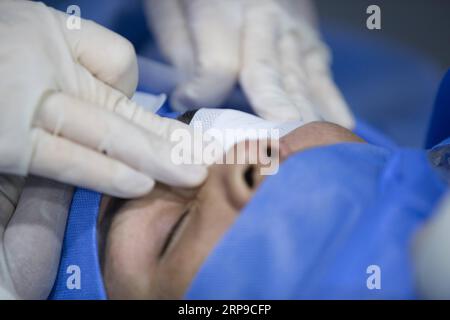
[
  {"x": 33, "y": 214},
  {"x": 65, "y": 108},
  {"x": 272, "y": 47},
  {"x": 431, "y": 254}
]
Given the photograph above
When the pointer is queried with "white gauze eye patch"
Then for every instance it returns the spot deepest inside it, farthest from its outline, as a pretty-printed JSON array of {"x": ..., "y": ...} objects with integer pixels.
[{"x": 240, "y": 125}]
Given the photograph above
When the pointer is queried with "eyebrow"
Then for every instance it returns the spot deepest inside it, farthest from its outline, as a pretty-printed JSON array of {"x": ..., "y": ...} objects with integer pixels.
[{"x": 172, "y": 233}]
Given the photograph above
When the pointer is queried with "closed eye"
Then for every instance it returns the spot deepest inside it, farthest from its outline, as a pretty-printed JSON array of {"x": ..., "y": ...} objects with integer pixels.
[{"x": 172, "y": 233}]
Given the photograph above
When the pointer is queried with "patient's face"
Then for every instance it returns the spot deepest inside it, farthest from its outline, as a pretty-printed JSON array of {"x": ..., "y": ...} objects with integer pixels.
[{"x": 152, "y": 247}]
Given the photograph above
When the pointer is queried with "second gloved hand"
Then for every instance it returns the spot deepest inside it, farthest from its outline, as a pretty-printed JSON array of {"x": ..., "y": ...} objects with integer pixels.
[
  {"x": 271, "y": 46},
  {"x": 65, "y": 108}
]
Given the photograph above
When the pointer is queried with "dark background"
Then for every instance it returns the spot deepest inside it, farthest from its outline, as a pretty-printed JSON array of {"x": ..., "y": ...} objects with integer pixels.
[{"x": 421, "y": 24}]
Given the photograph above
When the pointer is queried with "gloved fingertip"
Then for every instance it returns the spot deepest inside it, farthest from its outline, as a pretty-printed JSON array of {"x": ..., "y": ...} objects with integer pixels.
[
  {"x": 131, "y": 184},
  {"x": 193, "y": 175},
  {"x": 279, "y": 113},
  {"x": 348, "y": 122},
  {"x": 208, "y": 89},
  {"x": 345, "y": 118},
  {"x": 337, "y": 110}
]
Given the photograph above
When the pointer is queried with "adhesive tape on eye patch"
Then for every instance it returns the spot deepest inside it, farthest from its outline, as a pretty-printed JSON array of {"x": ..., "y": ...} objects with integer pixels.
[{"x": 239, "y": 124}]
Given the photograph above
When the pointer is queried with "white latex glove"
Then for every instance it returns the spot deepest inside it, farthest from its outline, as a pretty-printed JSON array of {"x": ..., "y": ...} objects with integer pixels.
[
  {"x": 431, "y": 254},
  {"x": 33, "y": 214},
  {"x": 271, "y": 46},
  {"x": 65, "y": 112}
]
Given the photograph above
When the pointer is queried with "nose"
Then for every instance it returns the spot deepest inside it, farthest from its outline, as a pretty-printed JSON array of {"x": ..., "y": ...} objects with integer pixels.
[
  {"x": 243, "y": 179},
  {"x": 241, "y": 182}
]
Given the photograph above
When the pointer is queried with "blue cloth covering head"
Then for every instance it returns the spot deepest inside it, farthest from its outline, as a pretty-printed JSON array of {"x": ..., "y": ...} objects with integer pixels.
[
  {"x": 79, "y": 257},
  {"x": 348, "y": 207}
]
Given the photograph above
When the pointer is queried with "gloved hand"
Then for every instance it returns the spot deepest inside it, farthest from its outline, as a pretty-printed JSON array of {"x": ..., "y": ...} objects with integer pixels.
[
  {"x": 272, "y": 47},
  {"x": 65, "y": 112},
  {"x": 33, "y": 214}
]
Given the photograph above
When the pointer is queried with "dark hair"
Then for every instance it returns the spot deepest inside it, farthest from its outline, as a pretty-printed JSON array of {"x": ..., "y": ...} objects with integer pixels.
[{"x": 187, "y": 116}]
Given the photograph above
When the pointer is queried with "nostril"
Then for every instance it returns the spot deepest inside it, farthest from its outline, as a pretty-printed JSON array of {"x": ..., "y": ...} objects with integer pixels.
[{"x": 249, "y": 176}]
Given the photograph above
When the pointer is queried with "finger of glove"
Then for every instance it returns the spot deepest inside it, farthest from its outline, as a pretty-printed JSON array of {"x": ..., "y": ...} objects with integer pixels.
[
  {"x": 100, "y": 94},
  {"x": 306, "y": 61},
  {"x": 300, "y": 10},
  {"x": 65, "y": 161},
  {"x": 117, "y": 138},
  {"x": 107, "y": 55},
  {"x": 215, "y": 32},
  {"x": 295, "y": 77},
  {"x": 168, "y": 22},
  {"x": 328, "y": 97},
  {"x": 261, "y": 75},
  {"x": 35, "y": 234},
  {"x": 10, "y": 189},
  {"x": 316, "y": 61}
]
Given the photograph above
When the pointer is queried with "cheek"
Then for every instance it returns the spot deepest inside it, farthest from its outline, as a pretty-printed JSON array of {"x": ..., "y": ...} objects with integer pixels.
[
  {"x": 129, "y": 250},
  {"x": 128, "y": 268}
]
